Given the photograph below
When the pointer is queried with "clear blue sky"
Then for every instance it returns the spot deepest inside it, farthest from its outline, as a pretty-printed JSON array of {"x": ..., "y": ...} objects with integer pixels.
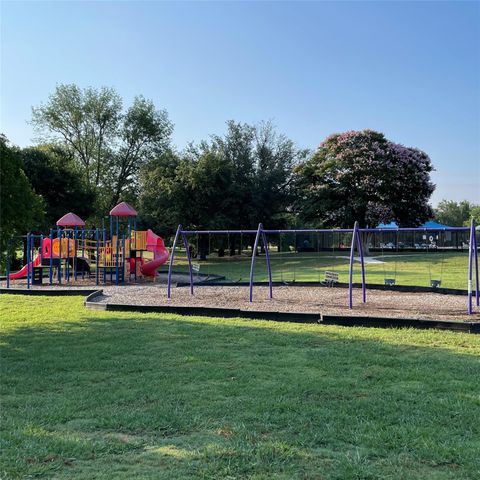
[{"x": 410, "y": 70}]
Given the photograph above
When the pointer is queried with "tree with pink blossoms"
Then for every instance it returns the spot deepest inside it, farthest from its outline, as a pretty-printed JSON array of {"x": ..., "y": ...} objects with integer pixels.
[{"x": 360, "y": 175}]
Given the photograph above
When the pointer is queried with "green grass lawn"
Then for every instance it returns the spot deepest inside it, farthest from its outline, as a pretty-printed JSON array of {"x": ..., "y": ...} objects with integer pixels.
[
  {"x": 102, "y": 395},
  {"x": 410, "y": 268}
]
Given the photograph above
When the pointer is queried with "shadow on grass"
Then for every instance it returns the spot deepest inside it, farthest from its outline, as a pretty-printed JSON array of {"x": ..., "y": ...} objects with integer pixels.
[{"x": 146, "y": 396}]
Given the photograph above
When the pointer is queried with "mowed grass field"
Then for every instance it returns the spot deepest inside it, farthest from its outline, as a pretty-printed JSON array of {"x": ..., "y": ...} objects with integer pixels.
[
  {"x": 102, "y": 395},
  {"x": 409, "y": 268}
]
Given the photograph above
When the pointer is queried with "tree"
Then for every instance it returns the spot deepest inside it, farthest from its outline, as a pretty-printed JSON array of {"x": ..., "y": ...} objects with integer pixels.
[
  {"x": 163, "y": 202},
  {"x": 21, "y": 210},
  {"x": 193, "y": 191},
  {"x": 361, "y": 176},
  {"x": 144, "y": 133},
  {"x": 455, "y": 214},
  {"x": 84, "y": 121},
  {"x": 188, "y": 190},
  {"x": 233, "y": 181},
  {"x": 262, "y": 162},
  {"x": 53, "y": 176},
  {"x": 475, "y": 214},
  {"x": 108, "y": 144}
]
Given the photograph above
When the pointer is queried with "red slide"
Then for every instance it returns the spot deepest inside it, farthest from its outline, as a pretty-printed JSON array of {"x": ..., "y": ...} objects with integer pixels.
[
  {"x": 160, "y": 254},
  {"x": 23, "y": 272}
]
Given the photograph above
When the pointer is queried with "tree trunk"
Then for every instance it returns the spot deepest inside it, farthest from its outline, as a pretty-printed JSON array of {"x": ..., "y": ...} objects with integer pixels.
[
  {"x": 203, "y": 247},
  {"x": 231, "y": 246},
  {"x": 366, "y": 239},
  {"x": 24, "y": 251}
]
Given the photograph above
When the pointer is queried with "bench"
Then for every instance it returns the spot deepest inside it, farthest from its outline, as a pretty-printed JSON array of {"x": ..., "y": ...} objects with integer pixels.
[{"x": 331, "y": 278}]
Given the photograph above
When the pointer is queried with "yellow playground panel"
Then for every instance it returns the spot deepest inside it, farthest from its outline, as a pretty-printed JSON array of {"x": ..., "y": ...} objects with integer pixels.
[
  {"x": 139, "y": 240},
  {"x": 109, "y": 255}
]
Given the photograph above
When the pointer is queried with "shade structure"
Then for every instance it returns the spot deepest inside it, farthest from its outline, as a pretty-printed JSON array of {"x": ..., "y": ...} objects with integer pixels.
[
  {"x": 70, "y": 220},
  {"x": 433, "y": 224},
  {"x": 123, "y": 209},
  {"x": 427, "y": 225}
]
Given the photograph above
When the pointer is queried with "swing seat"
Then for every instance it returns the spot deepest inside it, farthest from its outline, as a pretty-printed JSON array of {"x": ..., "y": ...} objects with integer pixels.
[
  {"x": 435, "y": 283},
  {"x": 389, "y": 282},
  {"x": 331, "y": 278}
]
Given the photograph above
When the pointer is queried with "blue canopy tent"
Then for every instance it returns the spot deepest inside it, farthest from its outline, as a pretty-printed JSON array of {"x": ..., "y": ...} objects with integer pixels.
[{"x": 429, "y": 224}]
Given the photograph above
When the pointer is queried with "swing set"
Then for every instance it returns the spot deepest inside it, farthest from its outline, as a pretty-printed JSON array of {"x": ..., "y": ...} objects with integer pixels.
[{"x": 261, "y": 236}]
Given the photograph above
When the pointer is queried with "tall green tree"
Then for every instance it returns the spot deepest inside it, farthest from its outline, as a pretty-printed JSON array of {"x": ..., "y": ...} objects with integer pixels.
[
  {"x": 21, "y": 209},
  {"x": 193, "y": 191},
  {"x": 361, "y": 176},
  {"x": 262, "y": 162},
  {"x": 232, "y": 181},
  {"x": 84, "y": 121},
  {"x": 54, "y": 177},
  {"x": 109, "y": 144},
  {"x": 475, "y": 214},
  {"x": 163, "y": 199},
  {"x": 455, "y": 214}
]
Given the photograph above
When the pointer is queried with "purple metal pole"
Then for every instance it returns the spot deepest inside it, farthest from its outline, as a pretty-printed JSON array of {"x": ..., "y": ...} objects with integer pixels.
[
  {"x": 475, "y": 260},
  {"x": 190, "y": 271},
  {"x": 269, "y": 269},
  {"x": 50, "y": 273},
  {"x": 59, "y": 235},
  {"x": 9, "y": 245},
  {"x": 254, "y": 254},
  {"x": 362, "y": 263},
  {"x": 67, "y": 265},
  {"x": 350, "y": 269},
  {"x": 172, "y": 257},
  {"x": 75, "y": 254},
  {"x": 28, "y": 261},
  {"x": 83, "y": 251},
  {"x": 471, "y": 245}
]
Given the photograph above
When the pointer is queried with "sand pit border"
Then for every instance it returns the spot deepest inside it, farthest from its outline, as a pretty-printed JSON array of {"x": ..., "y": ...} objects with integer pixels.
[{"x": 295, "y": 317}]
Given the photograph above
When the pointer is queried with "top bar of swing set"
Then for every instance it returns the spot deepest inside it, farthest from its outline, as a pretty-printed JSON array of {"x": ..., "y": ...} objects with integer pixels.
[
  {"x": 416, "y": 229},
  {"x": 253, "y": 232},
  {"x": 329, "y": 230}
]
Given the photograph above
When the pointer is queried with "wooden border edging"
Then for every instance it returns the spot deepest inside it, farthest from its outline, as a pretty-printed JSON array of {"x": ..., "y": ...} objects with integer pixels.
[
  {"x": 386, "y": 322},
  {"x": 294, "y": 317},
  {"x": 94, "y": 305},
  {"x": 49, "y": 292}
]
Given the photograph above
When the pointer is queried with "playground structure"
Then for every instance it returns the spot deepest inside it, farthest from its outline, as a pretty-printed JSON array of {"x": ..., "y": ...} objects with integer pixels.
[
  {"x": 117, "y": 256},
  {"x": 71, "y": 252}
]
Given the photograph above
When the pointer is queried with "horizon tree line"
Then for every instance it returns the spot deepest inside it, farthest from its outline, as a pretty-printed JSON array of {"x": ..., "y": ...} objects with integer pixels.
[{"x": 92, "y": 152}]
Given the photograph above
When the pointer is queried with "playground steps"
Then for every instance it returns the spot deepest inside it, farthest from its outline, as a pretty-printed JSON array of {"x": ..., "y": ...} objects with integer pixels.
[{"x": 109, "y": 274}]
